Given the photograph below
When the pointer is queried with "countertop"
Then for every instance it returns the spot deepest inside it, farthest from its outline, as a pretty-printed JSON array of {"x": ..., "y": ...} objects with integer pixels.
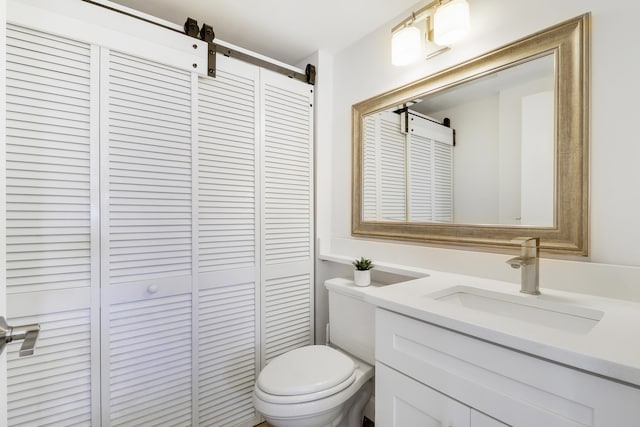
[{"x": 610, "y": 349}]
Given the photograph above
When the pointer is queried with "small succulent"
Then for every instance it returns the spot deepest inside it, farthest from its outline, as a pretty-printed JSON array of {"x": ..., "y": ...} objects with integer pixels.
[{"x": 363, "y": 264}]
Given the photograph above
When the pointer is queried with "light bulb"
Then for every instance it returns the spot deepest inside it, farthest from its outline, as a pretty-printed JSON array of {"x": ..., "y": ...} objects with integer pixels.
[
  {"x": 451, "y": 22},
  {"x": 405, "y": 46}
]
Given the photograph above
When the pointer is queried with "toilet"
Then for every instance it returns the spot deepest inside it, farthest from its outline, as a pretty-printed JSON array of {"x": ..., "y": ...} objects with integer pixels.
[{"x": 323, "y": 385}]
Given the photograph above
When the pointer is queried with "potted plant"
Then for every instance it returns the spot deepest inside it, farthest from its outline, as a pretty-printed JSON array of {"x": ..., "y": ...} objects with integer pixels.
[{"x": 362, "y": 273}]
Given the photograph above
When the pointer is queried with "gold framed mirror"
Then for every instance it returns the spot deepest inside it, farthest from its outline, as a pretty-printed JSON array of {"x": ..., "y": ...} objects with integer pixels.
[{"x": 420, "y": 169}]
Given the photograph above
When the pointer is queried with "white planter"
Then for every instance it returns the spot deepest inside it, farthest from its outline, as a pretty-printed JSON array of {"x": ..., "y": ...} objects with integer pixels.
[{"x": 362, "y": 277}]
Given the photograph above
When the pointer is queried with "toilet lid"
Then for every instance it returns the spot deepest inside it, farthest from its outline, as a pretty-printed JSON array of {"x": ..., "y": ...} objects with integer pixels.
[{"x": 306, "y": 370}]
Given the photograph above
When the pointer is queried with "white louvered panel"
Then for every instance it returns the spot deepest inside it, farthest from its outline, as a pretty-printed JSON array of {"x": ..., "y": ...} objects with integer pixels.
[
  {"x": 48, "y": 159},
  {"x": 287, "y": 307},
  {"x": 442, "y": 182},
  {"x": 430, "y": 175},
  {"x": 392, "y": 171},
  {"x": 227, "y": 171},
  {"x": 370, "y": 169},
  {"x": 52, "y": 387},
  {"x": 287, "y": 166},
  {"x": 149, "y": 170},
  {"x": 227, "y": 336},
  {"x": 419, "y": 178},
  {"x": 287, "y": 227},
  {"x": 150, "y": 362}
]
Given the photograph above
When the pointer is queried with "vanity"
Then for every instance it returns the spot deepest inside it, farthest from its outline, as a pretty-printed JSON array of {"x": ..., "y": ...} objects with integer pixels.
[{"x": 454, "y": 350}]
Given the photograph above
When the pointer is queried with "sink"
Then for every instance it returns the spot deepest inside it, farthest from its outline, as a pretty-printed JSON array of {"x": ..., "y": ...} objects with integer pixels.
[{"x": 535, "y": 310}]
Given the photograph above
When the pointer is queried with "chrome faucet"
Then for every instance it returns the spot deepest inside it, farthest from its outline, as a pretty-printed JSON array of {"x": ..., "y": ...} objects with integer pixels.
[{"x": 528, "y": 262}]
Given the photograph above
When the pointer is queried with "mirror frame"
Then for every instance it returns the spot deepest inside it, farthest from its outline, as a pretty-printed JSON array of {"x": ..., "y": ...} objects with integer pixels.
[{"x": 569, "y": 42}]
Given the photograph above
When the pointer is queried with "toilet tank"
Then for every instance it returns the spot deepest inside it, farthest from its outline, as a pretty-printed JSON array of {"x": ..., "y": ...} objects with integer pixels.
[{"x": 351, "y": 320}]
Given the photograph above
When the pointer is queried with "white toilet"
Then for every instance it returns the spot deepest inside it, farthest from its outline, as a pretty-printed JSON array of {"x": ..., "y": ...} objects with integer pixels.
[{"x": 322, "y": 386}]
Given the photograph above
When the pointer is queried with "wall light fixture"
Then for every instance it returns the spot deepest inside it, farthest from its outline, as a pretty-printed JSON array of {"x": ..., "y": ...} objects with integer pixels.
[
  {"x": 405, "y": 46},
  {"x": 446, "y": 23}
]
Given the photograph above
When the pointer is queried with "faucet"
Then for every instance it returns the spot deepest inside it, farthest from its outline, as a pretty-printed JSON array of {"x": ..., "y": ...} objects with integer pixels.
[{"x": 528, "y": 262}]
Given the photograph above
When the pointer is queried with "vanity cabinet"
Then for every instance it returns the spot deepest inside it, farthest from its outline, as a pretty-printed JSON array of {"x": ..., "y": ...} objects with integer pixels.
[
  {"x": 403, "y": 401},
  {"x": 429, "y": 375}
]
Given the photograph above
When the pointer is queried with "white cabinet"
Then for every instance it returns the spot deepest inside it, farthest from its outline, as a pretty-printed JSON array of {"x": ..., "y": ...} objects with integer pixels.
[
  {"x": 417, "y": 362},
  {"x": 406, "y": 402},
  {"x": 402, "y": 401}
]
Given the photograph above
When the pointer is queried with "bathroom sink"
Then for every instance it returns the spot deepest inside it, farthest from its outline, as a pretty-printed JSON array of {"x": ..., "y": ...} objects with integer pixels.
[{"x": 535, "y": 310}]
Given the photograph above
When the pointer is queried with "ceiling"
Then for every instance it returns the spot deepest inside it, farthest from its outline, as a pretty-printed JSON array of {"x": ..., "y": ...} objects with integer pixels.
[{"x": 286, "y": 30}]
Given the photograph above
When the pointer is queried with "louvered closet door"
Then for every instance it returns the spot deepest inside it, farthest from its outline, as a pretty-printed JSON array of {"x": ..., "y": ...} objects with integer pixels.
[
  {"x": 146, "y": 173},
  {"x": 370, "y": 167},
  {"x": 443, "y": 182},
  {"x": 429, "y": 170},
  {"x": 228, "y": 226},
  {"x": 392, "y": 169},
  {"x": 51, "y": 242},
  {"x": 420, "y": 178},
  {"x": 384, "y": 180},
  {"x": 287, "y": 214}
]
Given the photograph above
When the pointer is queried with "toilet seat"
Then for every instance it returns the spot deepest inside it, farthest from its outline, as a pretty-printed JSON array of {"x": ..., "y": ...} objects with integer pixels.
[{"x": 305, "y": 374}]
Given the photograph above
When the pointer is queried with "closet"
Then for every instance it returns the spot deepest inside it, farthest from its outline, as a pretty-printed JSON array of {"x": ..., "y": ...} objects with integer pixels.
[{"x": 159, "y": 221}]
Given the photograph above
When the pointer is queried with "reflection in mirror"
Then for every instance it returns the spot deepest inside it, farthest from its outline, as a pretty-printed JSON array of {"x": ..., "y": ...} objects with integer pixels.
[
  {"x": 407, "y": 168},
  {"x": 484, "y": 152},
  {"x": 501, "y": 170}
]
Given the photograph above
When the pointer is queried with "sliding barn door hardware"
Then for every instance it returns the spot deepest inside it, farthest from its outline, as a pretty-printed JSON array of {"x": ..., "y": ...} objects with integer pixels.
[
  {"x": 310, "y": 73},
  {"x": 206, "y": 34},
  {"x": 191, "y": 27},
  {"x": 211, "y": 59}
]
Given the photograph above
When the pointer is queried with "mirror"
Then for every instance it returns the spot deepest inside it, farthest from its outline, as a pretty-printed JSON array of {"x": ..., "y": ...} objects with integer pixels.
[
  {"x": 481, "y": 153},
  {"x": 492, "y": 163}
]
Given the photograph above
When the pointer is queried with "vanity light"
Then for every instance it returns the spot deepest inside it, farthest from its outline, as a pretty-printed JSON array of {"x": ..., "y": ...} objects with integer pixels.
[
  {"x": 405, "y": 46},
  {"x": 451, "y": 22},
  {"x": 446, "y": 23}
]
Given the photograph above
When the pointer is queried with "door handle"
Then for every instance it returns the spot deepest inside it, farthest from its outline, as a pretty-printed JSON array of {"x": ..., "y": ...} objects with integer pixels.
[{"x": 27, "y": 333}]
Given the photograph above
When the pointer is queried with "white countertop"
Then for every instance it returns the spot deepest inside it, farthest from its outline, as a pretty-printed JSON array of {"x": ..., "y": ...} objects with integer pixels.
[{"x": 610, "y": 349}]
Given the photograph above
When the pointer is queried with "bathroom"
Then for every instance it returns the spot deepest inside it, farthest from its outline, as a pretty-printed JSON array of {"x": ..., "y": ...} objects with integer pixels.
[{"x": 362, "y": 70}]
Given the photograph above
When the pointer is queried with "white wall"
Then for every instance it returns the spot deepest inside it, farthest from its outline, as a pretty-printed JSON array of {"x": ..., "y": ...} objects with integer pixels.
[
  {"x": 364, "y": 70},
  {"x": 537, "y": 159},
  {"x": 513, "y": 171},
  {"x": 476, "y": 178}
]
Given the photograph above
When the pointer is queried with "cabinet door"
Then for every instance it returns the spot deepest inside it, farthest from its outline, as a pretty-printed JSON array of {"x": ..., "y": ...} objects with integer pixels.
[
  {"x": 403, "y": 402},
  {"x": 286, "y": 120}
]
